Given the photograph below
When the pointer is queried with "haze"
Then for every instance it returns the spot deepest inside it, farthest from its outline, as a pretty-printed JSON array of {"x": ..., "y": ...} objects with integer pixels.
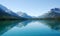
[{"x": 31, "y": 7}]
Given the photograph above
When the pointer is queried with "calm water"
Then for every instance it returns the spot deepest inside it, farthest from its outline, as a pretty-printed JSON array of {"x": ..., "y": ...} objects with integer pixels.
[{"x": 30, "y": 28}]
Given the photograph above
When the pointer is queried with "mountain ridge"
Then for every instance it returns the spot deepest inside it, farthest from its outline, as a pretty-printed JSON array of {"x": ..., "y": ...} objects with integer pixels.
[{"x": 8, "y": 14}]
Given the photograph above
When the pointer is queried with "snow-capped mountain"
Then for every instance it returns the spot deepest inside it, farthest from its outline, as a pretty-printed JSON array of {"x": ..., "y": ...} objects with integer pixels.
[
  {"x": 53, "y": 13},
  {"x": 56, "y": 10},
  {"x": 23, "y": 15},
  {"x": 6, "y": 13}
]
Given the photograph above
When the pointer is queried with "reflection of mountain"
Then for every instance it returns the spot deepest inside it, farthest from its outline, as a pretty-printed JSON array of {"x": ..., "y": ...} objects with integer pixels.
[
  {"x": 53, "y": 24},
  {"x": 6, "y": 25},
  {"x": 23, "y": 23},
  {"x": 24, "y": 15},
  {"x": 8, "y": 14}
]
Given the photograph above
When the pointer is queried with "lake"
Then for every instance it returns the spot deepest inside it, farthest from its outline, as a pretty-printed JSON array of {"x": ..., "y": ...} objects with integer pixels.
[{"x": 30, "y": 28}]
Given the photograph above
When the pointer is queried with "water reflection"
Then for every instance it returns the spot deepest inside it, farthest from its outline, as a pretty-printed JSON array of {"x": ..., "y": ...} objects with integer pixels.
[
  {"x": 24, "y": 23},
  {"x": 30, "y": 28},
  {"x": 53, "y": 24},
  {"x": 7, "y": 25}
]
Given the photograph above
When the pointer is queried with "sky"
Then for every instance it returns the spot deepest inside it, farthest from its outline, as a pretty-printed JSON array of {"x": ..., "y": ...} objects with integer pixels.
[{"x": 31, "y": 7}]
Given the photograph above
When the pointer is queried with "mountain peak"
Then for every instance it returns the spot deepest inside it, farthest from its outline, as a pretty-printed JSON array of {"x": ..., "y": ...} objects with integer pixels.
[
  {"x": 23, "y": 15},
  {"x": 56, "y": 10},
  {"x": 3, "y": 7}
]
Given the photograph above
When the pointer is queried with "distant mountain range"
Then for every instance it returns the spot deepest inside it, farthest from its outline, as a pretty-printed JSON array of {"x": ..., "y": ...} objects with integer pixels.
[
  {"x": 53, "y": 13},
  {"x": 24, "y": 15},
  {"x": 8, "y": 14}
]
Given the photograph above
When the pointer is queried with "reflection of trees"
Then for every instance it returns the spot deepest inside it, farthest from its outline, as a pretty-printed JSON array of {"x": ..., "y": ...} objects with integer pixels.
[
  {"x": 6, "y": 25},
  {"x": 23, "y": 23},
  {"x": 53, "y": 24}
]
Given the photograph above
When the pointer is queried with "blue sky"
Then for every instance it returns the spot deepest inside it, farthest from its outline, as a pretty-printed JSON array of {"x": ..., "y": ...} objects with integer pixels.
[{"x": 31, "y": 7}]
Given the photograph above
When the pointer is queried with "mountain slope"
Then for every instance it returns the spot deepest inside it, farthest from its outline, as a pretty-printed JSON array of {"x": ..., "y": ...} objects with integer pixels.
[
  {"x": 24, "y": 15},
  {"x": 53, "y": 13},
  {"x": 8, "y": 14}
]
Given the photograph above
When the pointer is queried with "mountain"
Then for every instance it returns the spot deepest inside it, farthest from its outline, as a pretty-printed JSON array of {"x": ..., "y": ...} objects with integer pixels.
[
  {"x": 53, "y": 13},
  {"x": 24, "y": 15},
  {"x": 8, "y": 14}
]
